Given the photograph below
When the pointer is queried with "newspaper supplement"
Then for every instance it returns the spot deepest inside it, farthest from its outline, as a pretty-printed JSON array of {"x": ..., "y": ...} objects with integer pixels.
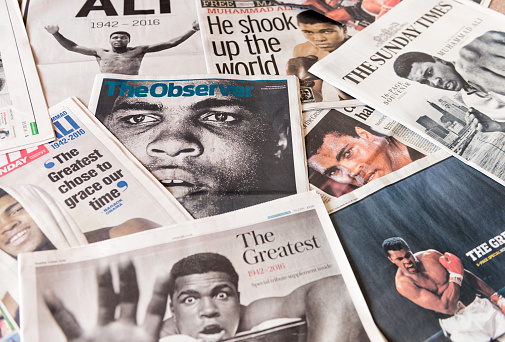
[
  {"x": 355, "y": 151},
  {"x": 257, "y": 38},
  {"x": 77, "y": 39},
  {"x": 24, "y": 119},
  {"x": 84, "y": 187},
  {"x": 447, "y": 208},
  {"x": 218, "y": 144},
  {"x": 247, "y": 272},
  {"x": 432, "y": 66}
]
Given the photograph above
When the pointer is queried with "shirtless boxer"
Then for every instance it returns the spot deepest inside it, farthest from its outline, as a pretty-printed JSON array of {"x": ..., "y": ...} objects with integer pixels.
[
  {"x": 120, "y": 59},
  {"x": 434, "y": 281}
]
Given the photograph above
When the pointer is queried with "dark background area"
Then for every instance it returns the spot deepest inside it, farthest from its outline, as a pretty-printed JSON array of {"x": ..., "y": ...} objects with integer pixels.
[{"x": 449, "y": 207}]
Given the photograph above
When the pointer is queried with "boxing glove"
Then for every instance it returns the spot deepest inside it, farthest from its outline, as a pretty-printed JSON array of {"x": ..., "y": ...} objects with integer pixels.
[
  {"x": 499, "y": 301},
  {"x": 455, "y": 267}
]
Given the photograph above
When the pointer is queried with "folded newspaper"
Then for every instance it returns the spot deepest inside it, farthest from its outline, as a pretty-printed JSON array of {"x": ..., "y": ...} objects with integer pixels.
[
  {"x": 258, "y": 38},
  {"x": 24, "y": 119},
  {"x": 405, "y": 242},
  {"x": 74, "y": 40},
  {"x": 218, "y": 143},
  {"x": 436, "y": 67},
  {"x": 265, "y": 273},
  {"x": 84, "y": 187},
  {"x": 355, "y": 151}
]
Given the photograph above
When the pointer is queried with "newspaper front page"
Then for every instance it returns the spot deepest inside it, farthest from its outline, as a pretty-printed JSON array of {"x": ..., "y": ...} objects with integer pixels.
[
  {"x": 435, "y": 66},
  {"x": 24, "y": 119},
  {"x": 218, "y": 143},
  {"x": 258, "y": 38},
  {"x": 447, "y": 208},
  {"x": 76, "y": 39},
  {"x": 276, "y": 261},
  {"x": 355, "y": 151},
  {"x": 82, "y": 188}
]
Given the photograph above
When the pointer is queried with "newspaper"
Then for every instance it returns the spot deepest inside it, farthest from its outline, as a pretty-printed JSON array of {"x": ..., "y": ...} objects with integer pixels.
[
  {"x": 456, "y": 104},
  {"x": 9, "y": 331},
  {"x": 354, "y": 12},
  {"x": 73, "y": 41},
  {"x": 24, "y": 120},
  {"x": 257, "y": 38},
  {"x": 282, "y": 253},
  {"x": 217, "y": 143},
  {"x": 449, "y": 207},
  {"x": 83, "y": 187},
  {"x": 355, "y": 151}
]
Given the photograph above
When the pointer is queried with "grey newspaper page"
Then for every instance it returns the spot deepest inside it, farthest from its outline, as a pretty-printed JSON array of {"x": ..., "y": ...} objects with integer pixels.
[
  {"x": 82, "y": 188},
  {"x": 265, "y": 273},
  {"x": 218, "y": 143},
  {"x": 354, "y": 151},
  {"x": 74, "y": 40},
  {"x": 24, "y": 119},
  {"x": 436, "y": 67},
  {"x": 258, "y": 38}
]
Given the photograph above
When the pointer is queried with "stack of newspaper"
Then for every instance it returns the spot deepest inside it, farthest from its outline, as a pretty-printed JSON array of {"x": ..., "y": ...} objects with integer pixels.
[{"x": 229, "y": 112}]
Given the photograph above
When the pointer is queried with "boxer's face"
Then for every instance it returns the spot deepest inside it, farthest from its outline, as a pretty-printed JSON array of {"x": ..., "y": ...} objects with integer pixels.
[
  {"x": 203, "y": 149},
  {"x": 206, "y": 306},
  {"x": 404, "y": 259},
  {"x": 352, "y": 160},
  {"x": 324, "y": 36},
  {"x": 437, "y": 74}
]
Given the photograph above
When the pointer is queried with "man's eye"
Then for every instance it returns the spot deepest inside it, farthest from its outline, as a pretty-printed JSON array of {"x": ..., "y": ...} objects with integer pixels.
[
  {"x": 140, "y": 119},
  {"x": 219, "y": 117},
  {"x": 222, "y": 295},
  {"x": 190, "y": 300},
  {"x": 347, "y": 154},
  {"x": 16, "y": 210}
]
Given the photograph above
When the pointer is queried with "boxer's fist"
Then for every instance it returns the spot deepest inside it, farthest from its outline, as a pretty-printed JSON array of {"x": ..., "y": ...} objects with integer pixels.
[
  {"x": 455, "y": 267},
  {"x": 499, "y": 301},
  {"x": 299, "y": 66}
]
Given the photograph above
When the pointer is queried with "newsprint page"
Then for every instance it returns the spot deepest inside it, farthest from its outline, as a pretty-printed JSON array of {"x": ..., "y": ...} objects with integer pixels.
[
  {"x": 449, "y": 212},
  {"x": 257, "y": 38},
  {"x": 436, "y": 67},
  {"x": 24, "y": 119},
  {"x": 82, "y": 188},
  {"x": 343, "y": 169},
  {"x": 218, "y": 143},
  {"x": 265, "y": 273},
  {"x": 73, "y": 40}
]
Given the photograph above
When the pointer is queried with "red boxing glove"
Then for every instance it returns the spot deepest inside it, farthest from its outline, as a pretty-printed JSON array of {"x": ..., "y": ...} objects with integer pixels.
[
  {"x": 499, "y": 301},
  {"x": 455, "y": 267}
]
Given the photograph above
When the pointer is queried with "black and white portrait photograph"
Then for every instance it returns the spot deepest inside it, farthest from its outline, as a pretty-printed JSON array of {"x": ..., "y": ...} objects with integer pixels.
[{"x": 217, "y": 145}]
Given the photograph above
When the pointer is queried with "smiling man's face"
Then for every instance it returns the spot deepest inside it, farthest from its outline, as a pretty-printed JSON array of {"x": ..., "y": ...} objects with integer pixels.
[
  {"x": 206, "y": 306},
  {"x": 18, "y": 232},
  {"x": 202, "y": 148}
]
